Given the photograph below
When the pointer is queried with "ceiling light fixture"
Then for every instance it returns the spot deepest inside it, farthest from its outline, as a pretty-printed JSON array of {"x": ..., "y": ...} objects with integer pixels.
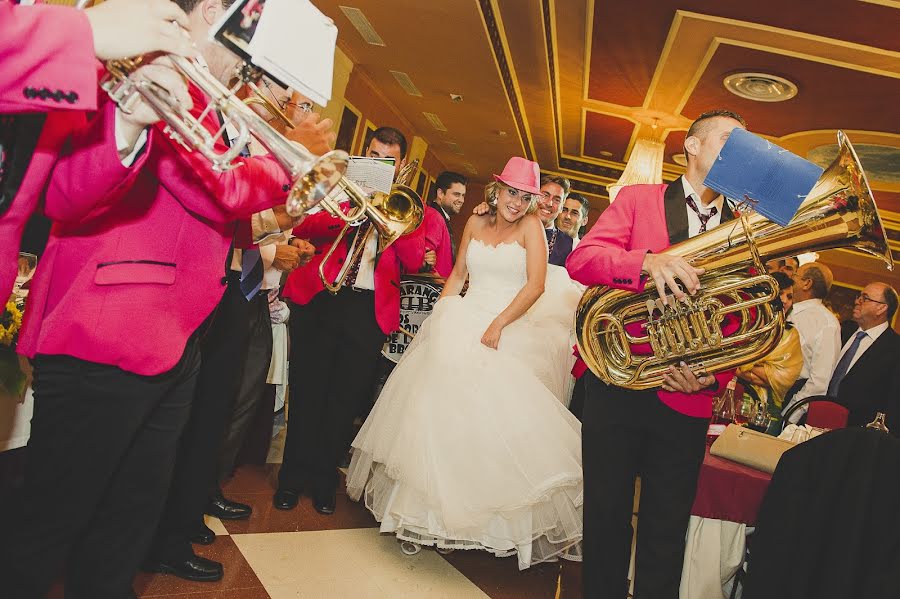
[
  {"x": 760, "y": 87},
  {"x": 644, "y": 166}
]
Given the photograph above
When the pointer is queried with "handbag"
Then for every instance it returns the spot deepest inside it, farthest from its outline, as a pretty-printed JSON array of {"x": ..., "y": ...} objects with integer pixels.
[{"x": 750, "y": 448}]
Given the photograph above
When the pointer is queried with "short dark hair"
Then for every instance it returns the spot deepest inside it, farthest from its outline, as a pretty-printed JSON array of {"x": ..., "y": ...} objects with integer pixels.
[
  {"x": 188, "y": 6},
  {"x": 585, "y": 204},
  {"x": 698, "y": 127},
  {"x": 561, "y": 181},
  {"x": 783, "y": 280},
  {"x": 890, "y": 300},
  {"x": 446, "y": 180},
  {"x": 820, "y": 285},
  {"x": 389, "y": 136}
]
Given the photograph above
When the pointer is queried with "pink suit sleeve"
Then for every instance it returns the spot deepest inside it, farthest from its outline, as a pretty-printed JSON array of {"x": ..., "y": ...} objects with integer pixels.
[
  {"x": 47, "y": 59},
  {"x": 604, "y": 256}
]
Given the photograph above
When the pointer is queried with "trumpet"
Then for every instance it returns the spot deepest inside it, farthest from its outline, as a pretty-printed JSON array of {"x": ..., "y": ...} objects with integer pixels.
[
  {"x": 393, "y": 215},
  {"x": 313, "y": 177}
]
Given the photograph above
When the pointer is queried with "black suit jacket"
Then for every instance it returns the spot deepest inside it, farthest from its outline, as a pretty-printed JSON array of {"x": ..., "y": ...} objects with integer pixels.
[{"x": 873, "y": 383}]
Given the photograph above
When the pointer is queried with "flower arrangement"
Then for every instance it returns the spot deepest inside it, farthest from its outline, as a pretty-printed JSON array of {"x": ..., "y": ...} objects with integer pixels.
[{"x": 11, "y": 322}]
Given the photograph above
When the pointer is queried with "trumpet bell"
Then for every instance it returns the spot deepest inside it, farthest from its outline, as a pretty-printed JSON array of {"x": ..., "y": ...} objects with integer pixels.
[{"x": 396, "y": 214}]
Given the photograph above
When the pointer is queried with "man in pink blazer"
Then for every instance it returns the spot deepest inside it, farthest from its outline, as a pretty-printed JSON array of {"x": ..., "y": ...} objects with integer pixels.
[
  {"x": 132, "y": 270},
  {"x": 657, "y": 434},
  {"x": 47, "y": 54},
  {"x": 438, "y": 255},
  {"x": 337, "y": 343}
]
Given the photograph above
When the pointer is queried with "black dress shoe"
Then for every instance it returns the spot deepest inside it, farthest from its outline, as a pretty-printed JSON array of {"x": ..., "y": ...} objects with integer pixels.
[
  {"x": 203, "y": 535},
  {"x": 325, "y": 502},
  {"x": 223, "y": 509},
  {"x": 196, "y": 568},
  {"x": 285, "y": 499}
]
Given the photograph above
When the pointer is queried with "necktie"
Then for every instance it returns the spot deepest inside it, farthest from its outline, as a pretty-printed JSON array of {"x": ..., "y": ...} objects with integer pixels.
[
  {"x": 840, "y": 371},
  {"x": 252, "y": 269},
  {"x": 357, "y": 247},
  {"x": 704, "y": 218}
]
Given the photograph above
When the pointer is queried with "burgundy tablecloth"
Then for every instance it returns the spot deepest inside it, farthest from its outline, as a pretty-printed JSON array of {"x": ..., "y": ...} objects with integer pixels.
[{"x": 729, "y": 491}]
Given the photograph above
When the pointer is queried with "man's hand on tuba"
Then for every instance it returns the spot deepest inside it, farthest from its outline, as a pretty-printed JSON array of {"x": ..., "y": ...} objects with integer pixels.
[{"x": 664, "y": 269}]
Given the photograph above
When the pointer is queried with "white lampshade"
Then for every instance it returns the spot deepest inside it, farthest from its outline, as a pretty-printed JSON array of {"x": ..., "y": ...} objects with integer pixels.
[{"x": 644, "y": 166}]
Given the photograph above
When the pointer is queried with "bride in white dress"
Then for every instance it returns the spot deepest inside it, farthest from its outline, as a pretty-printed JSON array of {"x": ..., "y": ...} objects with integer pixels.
[{"x": 466, "y": 448}]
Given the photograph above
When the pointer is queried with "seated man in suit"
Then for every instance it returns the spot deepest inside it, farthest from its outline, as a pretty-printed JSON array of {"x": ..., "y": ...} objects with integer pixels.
[{"x": 865, "y": 378}]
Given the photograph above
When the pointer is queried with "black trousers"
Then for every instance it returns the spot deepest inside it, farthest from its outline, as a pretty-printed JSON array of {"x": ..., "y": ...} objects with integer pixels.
[
  {"x": 335, "y": 344},
  {"x": 223, "y": 350},
  {"x": 627, "y": 434},
  {"x": 252, "y": 386},
  {"x": 100, "y": 460}
]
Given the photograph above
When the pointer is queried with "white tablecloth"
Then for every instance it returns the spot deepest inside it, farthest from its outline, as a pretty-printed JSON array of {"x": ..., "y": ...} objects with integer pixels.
[
  {"x": 712, "y": 556},
  {"x": 15, "y": 421}
]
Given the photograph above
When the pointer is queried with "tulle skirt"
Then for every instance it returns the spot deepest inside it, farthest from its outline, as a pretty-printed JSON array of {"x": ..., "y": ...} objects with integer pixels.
[{"x": 467, "y": 448}]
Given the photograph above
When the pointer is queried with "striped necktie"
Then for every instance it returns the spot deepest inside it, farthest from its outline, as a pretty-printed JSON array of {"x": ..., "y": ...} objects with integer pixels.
[{"x": 704, "y": 218}]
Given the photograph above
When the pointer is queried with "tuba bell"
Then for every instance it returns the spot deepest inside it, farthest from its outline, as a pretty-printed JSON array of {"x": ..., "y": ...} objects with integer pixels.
[{"x": 630, "y": 340}]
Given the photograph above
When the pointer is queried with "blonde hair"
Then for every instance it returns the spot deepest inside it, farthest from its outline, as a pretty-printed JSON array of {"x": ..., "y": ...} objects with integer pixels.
[{"x": 492, "y": 192}]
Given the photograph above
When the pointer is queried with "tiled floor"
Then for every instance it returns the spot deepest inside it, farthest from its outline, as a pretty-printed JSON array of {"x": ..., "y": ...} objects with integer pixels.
[{"x": 301, "y": 554}]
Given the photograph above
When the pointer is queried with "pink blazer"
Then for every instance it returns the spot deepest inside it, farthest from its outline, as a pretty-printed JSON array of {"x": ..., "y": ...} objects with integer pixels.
[
  {"x": 321, "y": 229},
  {"x": 437, "y": 238},
  {"x": 642, "y": 218},
  {"x": 46, "y": 59},
  {"x": 134, "y": 265},
  {"x": 54, "y": 133}
]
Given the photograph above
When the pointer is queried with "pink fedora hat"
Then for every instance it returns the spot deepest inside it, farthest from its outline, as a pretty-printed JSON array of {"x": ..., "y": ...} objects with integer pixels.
[{"x": 522, "y": 174}]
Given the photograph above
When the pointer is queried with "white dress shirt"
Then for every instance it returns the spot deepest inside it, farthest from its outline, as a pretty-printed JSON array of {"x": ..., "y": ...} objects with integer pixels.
[
  {"x": 694, "y": 223},
  {"x": 820, "y": 343},
  {"x": 865, "y": 343}
]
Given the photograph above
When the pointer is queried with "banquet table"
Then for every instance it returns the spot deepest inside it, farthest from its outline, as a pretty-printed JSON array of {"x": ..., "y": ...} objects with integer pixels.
[{"x": 725, "y": 507}]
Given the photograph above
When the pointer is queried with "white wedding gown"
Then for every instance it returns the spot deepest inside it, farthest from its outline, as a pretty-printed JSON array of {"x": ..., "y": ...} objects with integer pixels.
[{"x": 466, "y": 447}]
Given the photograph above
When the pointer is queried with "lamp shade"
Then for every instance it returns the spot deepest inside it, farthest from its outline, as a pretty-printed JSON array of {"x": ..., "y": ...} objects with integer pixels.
[{"x": 644, "y": 166}]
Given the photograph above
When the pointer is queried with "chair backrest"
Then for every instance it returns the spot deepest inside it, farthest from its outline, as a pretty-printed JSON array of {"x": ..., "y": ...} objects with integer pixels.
[
  {"x": 823, "y": 412},
  {"x": 827, "y": 414}
]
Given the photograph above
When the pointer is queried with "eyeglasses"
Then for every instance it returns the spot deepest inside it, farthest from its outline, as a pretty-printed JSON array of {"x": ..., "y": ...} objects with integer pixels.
[
  {"x": 285, "y": 102},
  {"x": 863, "y": 298}
]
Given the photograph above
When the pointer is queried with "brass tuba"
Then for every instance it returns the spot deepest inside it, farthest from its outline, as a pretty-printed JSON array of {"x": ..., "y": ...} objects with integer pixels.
[
  {"x": 312, "y": 176},
  {"x": 393, "y": 215},
  {"x": 838, "y": 212}
]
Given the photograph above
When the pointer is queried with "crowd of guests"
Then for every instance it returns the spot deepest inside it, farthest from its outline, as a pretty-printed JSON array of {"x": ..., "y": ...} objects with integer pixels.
[{"x": 168, "y": 294}]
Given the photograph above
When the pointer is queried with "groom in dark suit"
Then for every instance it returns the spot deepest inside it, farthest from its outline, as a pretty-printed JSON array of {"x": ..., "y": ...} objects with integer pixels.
[
  {"x": 554, "y": 190},
  {"x": 450, "y": 195},
  {"x": 866, "y": 377}
]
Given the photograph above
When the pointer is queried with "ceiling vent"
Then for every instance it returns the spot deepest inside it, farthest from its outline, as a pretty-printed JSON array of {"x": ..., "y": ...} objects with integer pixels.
[
  {"x": 470, "y": 168},
  {"x": 760, "y": 87},
  {"x": 365, "y": 29},
  {"x": 406, "y": 83},
  {"x": 454, "y": 147},
  {"x": 435, "y": 121}
]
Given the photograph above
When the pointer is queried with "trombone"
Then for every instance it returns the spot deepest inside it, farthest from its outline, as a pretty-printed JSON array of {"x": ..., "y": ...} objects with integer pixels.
[{"x": 393, "y": 215}]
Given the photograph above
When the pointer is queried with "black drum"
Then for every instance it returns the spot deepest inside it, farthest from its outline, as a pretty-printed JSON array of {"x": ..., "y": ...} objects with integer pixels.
[{"x": 418, "y": 294}]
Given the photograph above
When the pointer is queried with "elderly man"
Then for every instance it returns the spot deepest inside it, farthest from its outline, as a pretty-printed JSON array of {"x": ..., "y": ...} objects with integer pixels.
[
  {"x": 820, "y": 334},
  {"x": 865, "y": 378}
]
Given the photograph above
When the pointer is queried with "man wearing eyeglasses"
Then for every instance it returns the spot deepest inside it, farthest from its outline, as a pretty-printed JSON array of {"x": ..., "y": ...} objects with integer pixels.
[
  {"x": 820, "y": 334},
  {"x": 865, "y": 379}
]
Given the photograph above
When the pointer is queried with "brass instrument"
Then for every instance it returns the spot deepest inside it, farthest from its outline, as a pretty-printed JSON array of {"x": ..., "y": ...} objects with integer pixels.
[
  {"x": 838, "y": 212},
  {"x": 312, "y": 176},
  {"x": 393, "y": 215}
]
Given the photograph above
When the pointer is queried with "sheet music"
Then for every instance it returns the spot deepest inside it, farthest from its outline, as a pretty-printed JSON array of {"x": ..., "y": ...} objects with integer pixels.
[
  {"x": 295, "y": 42},
  {"x": 372, "y": 174}
]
